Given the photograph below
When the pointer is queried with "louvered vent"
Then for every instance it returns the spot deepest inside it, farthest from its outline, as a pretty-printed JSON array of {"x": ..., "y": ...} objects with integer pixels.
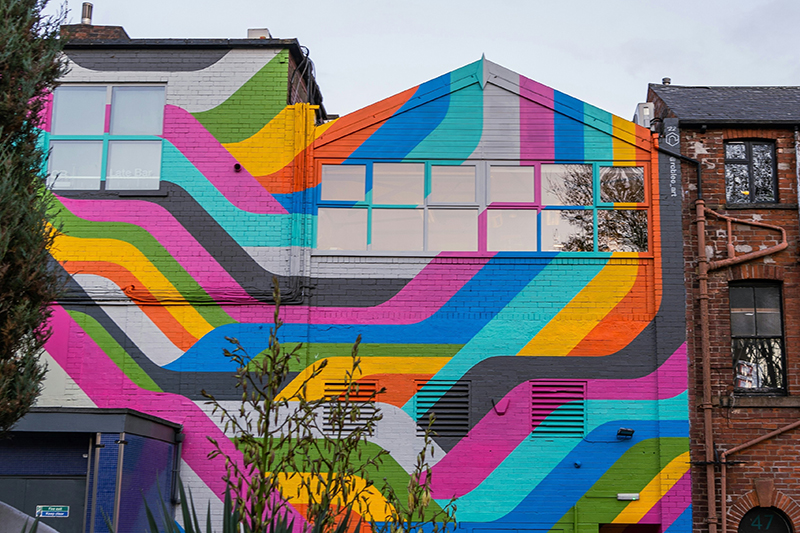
[
  {"x": 558, "y": 408},
  {"x": 449, "y": 400},
  {"x": 364, "y": 397}
]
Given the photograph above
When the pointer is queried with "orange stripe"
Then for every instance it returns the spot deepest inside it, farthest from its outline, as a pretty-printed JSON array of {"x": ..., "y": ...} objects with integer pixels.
[{"x": 131, "y": 285}]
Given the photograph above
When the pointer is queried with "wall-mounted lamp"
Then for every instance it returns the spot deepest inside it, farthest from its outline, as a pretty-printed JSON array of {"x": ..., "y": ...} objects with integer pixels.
[
  {"x": 624, "y": 433},
  {"x": 628, "y": 496}
]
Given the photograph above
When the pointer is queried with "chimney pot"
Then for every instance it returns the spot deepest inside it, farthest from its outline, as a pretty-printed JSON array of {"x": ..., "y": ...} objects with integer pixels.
[
  {"x": 86, "y": 13},
  {"x": 666, "y": 81}
]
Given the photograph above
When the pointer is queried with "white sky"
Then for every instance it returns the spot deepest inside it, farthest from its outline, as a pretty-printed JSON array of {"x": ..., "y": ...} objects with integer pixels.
[{"x": 604, "y": 52}]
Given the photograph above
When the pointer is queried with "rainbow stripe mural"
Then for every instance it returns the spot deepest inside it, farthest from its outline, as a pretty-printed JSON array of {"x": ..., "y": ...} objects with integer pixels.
[{"x": 536, "y": 336}]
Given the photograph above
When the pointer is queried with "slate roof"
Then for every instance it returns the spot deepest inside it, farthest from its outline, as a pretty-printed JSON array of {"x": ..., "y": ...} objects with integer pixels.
[{"x": 731, "y": 105}]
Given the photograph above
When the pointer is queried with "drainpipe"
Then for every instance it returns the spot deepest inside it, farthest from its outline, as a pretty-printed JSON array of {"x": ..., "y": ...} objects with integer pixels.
[
  {"x": 705, "y": 346},
  {"x": 724, "y": 465}
]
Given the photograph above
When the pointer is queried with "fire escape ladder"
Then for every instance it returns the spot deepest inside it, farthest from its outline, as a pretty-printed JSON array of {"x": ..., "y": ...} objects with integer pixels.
[{"x": 732, "y": 258}]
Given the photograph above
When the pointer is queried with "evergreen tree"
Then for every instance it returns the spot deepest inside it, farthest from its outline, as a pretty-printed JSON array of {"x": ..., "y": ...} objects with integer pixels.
[{"x": 30, "y": 63}]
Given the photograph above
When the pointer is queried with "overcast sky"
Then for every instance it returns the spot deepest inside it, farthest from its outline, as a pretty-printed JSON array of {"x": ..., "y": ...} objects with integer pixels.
[{"x": 604, "y": 52}]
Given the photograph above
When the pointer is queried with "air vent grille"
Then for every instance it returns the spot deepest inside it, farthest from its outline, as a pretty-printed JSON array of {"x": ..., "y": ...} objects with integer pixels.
[
  {"x": 449, "y": 401},
  {"x": 364, "y": 397},
  {"x": 558, "y": 408}
]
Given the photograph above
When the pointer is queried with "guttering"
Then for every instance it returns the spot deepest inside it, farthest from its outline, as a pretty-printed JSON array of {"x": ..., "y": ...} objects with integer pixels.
[{"x": 705, "y": 346}]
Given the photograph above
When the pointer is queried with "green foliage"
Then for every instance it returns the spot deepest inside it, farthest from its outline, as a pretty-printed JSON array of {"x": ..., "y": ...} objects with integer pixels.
[
  {"x": 34, "y": 527},
  {"x": 30, "y": 63}
]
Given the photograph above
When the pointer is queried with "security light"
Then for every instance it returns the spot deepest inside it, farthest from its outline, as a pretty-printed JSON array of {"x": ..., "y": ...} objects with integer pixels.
[{"x": 624, "y": 433}]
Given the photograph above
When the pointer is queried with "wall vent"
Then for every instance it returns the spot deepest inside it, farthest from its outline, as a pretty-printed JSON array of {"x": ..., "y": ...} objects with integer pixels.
[
  {"x": 449, "y": 401},
  {"x": 558, "y": 408},
  {"x": 364, "y": 398}
]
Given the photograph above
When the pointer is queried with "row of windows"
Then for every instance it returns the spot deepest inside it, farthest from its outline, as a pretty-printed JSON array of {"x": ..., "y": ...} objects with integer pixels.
[
  {"x": 415, "y": 207},
  {"x": 106, "y": 133}
]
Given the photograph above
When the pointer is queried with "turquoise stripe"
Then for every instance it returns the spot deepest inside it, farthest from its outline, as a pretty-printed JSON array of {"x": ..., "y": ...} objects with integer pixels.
[
  {"x": 248, "y": 229},
  {"x": 514, "y": 481},
  {"x": 459, "y": 133},
  {"x": 597, "y": 130},
  {"x": 519, "y": 321}
]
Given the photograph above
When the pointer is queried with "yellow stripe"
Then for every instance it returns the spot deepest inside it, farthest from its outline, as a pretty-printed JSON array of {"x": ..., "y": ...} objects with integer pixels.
[
  {"x": 338, "y": 366},
  {"x": 262, "y": 162},
  {"x": 584, "y": 312},
  {"x": 624, "y": 142},
  {"x": 128, "y": 256},
  {"x": 654, "y": 491},
  {"x": 377, "y": 508}
]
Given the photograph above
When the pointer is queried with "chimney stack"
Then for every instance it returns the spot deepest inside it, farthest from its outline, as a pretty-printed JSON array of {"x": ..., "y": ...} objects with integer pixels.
[{"x": 86, "y": 14}]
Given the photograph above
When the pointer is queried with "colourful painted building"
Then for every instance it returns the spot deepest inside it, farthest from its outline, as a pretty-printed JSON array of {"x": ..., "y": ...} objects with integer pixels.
[{"x": 508, "y": 254}]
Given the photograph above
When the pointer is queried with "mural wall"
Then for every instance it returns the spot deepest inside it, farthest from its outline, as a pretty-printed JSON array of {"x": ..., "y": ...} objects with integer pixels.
[{"x": 504, "y": 250}]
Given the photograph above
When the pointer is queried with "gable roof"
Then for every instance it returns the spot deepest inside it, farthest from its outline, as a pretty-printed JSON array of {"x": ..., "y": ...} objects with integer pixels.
[{"x": 730, "y": 105}]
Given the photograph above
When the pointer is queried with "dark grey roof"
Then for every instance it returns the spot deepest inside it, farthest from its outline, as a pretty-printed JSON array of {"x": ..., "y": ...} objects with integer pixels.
[{"x": 751, "y": 105}]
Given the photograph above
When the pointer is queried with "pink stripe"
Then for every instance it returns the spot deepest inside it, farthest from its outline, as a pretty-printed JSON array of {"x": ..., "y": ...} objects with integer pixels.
[
  {"x": 180, "y": 244},
  {"x": 216, "y": 163},
  {"x": 107, "y": 123},
  {"x": 418, "y": 300},
  {"x": 492, "y": 439},
  {"x": 666, "y": 382},
  {"x": 672, "y": 505},
  {"x": 536, "y": 126},
  {"x": 46, "y": 116},
  {"x": 109, "y": 387}
]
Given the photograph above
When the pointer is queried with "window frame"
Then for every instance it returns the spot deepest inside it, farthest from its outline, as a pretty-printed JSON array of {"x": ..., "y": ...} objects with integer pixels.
[
  {"x": 751, "y": 197},
  {"x": 754, "y": 285},
  {"x": 106, "y": 138},
  {"x": 484, "y": 206}
]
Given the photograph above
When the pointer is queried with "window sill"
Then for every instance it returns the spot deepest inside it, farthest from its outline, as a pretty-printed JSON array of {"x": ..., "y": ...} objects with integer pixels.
[
  {"x": 740, "y": 207},
  {"x": 760, "y": 401}
]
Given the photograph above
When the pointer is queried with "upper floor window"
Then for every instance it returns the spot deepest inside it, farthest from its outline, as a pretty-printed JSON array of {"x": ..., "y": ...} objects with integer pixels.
[
  {"x": 750, "y": 175},
  {"x": 480, "y": 206},
  {"x": 106, "y": 134},
  {"x": 757, "y": 337}
]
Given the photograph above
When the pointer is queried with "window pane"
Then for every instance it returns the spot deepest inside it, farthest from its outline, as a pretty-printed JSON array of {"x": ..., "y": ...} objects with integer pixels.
[
  {"x": 568, "y": 230},
  {"x": 743, "y": 322},
  {"x": 397, "y": 229},
  {"x": 511, "y": 184},
  {"x": 134, "y": 165},
  {"x": 768, "y": 311},
  {"x": 567, "y": 185},
  {"x": 737, "y": 183},
  {"x": 622, "y": 230},
  {"x": 75, "y": 165},
  {"x": 742, "y": 297},
  {"x": 452, "y": 184},
  {"x": 735, "y": 151},
  {"x": 758, "y": 364},
  {"x": 342, "y": 229},
  {"x": 398, "y": 183},
  {"x": 622, "y": 184},
  {"x": 79, "y": 111},
  {"x": 453, "y": 230},
  {"x": 343, "y": 182},
  {"x": 763, "y": 177},
  {"x": 511, "y": 229},
  {"x": 137, "y": 110}
]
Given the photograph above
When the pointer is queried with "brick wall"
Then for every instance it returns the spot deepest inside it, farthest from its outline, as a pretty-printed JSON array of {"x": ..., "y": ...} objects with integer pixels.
[{"x": 737, "y": 419}]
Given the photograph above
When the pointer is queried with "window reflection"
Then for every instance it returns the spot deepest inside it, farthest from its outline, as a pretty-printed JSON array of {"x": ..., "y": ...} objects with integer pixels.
[
  {"x": 567, "y": 185},
  {"x": 567, "y": 230},
  {"x": 622, "y": 184},
  {"x": 622, "y": 230}
]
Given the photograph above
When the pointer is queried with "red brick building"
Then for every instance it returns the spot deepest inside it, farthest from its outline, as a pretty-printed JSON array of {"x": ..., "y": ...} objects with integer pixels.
[{"x": 736, "y": 161}]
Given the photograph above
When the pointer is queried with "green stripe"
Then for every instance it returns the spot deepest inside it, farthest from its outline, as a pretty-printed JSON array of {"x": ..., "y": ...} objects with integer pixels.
[
  {"x": 253, "y": 105},
  {"x": 138, "y": 237},
  {"x": 114, "y": 351},
  {"x": 631, "y": 473}
]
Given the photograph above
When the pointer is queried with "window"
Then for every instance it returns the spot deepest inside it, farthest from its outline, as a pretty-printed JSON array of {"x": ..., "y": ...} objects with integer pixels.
[
  {"x": 106, "y": 134},
  {"x": 480, "y": 206},
  {"x": 757, "y": 337},
  {"x": 750, "y": 175}
]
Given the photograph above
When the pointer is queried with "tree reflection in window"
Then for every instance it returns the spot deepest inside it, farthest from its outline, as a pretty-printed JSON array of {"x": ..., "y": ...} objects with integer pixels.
[
  {"x": 618, "y": 230},
  {"x": 757, "y": 337}
]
